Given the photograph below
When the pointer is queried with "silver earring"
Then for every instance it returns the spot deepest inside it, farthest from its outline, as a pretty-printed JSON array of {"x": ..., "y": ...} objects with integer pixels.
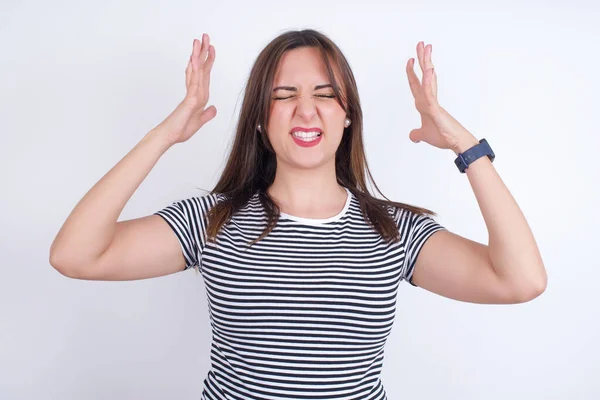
[
  {"x": 347, "y": 123},
  {"x": 258, "y": 127}
]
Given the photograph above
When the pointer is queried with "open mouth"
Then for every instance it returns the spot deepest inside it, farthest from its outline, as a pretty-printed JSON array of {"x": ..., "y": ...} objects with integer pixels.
[
  {"x": 306, "y": 136},
  {"x": 307, "y": 139}
]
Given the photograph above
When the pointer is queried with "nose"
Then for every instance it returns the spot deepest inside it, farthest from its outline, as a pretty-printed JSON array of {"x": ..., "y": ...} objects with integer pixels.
[{"x": 306, "y": 108}]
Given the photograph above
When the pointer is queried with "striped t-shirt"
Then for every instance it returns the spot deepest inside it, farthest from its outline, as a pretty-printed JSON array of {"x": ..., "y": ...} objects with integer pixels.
[{"x": 305, "y": 312}]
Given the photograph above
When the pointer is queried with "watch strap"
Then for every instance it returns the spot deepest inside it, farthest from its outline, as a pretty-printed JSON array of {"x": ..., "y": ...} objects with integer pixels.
[{"x": 469, "y": 156}]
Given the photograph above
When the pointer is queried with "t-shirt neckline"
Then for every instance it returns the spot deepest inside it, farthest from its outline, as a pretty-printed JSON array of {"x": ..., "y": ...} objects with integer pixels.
[{"x": 320, "y": 221}]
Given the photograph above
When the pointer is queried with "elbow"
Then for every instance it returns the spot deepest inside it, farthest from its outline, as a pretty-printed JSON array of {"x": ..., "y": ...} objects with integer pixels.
[
  {"x": 540, "y": 284},
  {"x": 55, "y": 260},
  {"x": 62, "y": 265},
  {"x": 532, "y": 290},
  {"x": 59, "y": 265},
  {"x": 74, "y": 267}
]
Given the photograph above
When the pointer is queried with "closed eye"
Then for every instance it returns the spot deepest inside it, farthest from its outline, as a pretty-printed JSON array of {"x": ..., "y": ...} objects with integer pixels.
[{"x": 327, "y": 96}]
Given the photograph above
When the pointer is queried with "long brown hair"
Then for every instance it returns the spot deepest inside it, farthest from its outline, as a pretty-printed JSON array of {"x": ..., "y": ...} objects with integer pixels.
[{"x": 251, "y": 166}]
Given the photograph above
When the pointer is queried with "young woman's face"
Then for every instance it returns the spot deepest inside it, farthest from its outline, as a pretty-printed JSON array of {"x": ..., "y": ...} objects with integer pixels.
[{"x": 306, "y": 122}]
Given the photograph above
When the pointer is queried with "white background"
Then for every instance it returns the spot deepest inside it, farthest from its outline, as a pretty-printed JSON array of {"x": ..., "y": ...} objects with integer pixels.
[{"x": 82, "y": 82}]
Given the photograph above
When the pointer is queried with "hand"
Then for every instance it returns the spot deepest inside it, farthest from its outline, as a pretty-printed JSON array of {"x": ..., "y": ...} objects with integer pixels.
[
  {"x": 190, "y": 115},
  {"x": 438, "y": 127}
]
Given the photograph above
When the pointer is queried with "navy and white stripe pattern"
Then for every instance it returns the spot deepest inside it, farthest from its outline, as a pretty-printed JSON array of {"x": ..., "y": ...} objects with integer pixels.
[{"x": 305, "y": 312}]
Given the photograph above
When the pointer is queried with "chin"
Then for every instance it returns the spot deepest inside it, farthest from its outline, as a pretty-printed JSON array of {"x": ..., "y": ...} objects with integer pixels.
[
  {"x": 314, "y": 162},
  {"x": 295, "y": 156}
]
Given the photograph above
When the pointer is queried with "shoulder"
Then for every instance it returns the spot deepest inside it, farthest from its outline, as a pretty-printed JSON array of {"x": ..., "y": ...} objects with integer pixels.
[
  {"x": 192, "y": 207},
  {"x": 402, "y": 215},
  {"x": 413, "y": 224},
  {"x": 205, "y": 202}
]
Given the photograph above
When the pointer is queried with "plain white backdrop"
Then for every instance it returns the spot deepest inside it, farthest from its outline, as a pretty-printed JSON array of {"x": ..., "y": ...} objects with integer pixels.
[{"x": 82, "y": 82}]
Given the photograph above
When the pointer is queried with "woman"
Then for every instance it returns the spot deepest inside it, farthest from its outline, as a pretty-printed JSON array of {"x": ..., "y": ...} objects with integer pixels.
[{"x": 301, "y": 263}]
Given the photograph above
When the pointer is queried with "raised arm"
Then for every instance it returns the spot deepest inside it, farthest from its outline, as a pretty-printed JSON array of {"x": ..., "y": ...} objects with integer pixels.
[{"x": 92, "y": 244}]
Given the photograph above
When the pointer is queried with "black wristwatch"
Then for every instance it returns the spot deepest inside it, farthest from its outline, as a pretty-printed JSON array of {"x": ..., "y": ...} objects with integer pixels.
[{"x": 467, "y": 157}]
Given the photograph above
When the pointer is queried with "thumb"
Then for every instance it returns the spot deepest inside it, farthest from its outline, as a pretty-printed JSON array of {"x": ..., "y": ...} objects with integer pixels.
[
  {"x": 198, "y": 119},
  {"x": 415, "y": 135},
  {"x": 207, "y": 115}
]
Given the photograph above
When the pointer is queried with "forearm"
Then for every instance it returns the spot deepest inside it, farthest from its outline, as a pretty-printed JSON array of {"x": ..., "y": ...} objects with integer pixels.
[
  {"x": 513, "y": 251},
  {"x": 89, "y": 228}
]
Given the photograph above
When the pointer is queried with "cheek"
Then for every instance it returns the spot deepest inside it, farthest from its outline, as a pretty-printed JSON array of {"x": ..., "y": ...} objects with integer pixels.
[
  {"x": 333, "y": 113},
  {"x": 278, "y": 121},
  {"x": 281, "y": 114},
  {"x": 333, "y": 117}
]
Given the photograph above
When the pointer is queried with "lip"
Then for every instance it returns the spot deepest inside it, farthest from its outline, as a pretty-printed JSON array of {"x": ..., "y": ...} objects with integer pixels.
[
  {"x": 302, "y": 143},
  {"x": 301, "y": 129}
]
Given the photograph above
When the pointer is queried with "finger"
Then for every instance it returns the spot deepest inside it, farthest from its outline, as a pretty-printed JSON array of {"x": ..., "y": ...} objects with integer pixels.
[
  {"x": 434, "y": 86},
  {"x": 413, "y": 79},
  {"x": 204, "y": 48},
  {"x": 427, "y": 57},
  {"x": 188, "y": 72},
  {"x": 427, "y": 84},
  {"x": 211, "y": 58},
  {"x": 195, "y": 49},
  {"x": 194, "y": 63},
  {"x": 207, "y": 68},
  {"x": 428, "y": 65},
  {"x": 420, "y": 51},
  {"x": 205, "y": 83}
]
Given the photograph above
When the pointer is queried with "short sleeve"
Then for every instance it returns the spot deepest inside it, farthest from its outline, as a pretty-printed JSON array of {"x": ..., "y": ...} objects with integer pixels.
[
  {"x": 188, "y": 220},
  {"x": 414, "y": 229}
]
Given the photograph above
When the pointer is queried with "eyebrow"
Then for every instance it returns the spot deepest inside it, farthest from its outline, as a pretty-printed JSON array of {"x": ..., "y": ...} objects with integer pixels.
[{"x": 295, "y": 89}]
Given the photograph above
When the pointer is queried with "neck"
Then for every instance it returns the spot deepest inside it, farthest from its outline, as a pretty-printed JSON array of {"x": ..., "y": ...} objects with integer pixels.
[{"x": 306, "y": 190}]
